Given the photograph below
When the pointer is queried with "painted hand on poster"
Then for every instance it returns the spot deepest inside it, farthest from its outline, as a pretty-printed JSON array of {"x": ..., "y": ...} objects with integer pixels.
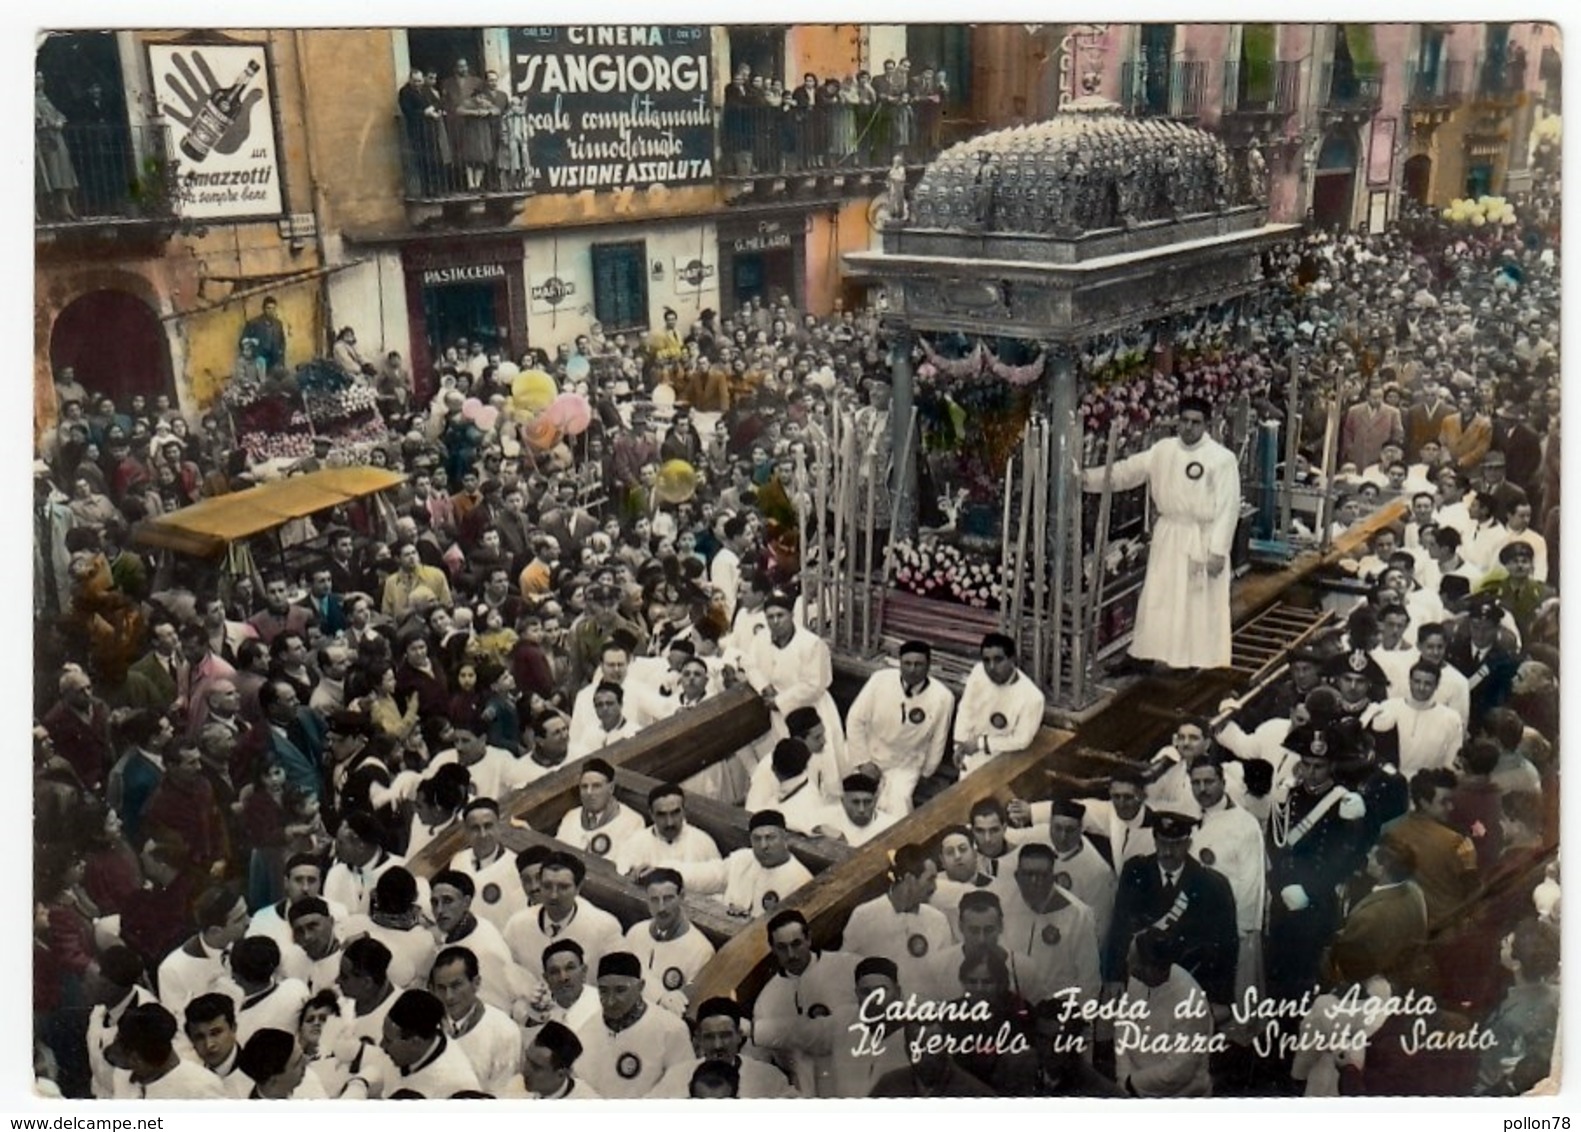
[{"x": 202, "y": 100}]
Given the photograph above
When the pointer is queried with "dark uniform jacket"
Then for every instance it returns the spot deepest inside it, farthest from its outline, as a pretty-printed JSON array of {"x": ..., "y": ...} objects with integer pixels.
[{"x": 1198, "y": 913}]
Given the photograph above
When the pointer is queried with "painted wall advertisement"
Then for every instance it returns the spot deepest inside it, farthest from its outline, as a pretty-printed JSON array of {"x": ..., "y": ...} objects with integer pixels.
[
  {"x": 220, "y": 107},
  {"x": 616, "y": 107}
]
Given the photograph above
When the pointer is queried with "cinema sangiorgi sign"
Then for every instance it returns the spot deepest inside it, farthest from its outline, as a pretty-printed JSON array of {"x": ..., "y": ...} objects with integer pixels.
[{"x": 616, "y": 107}]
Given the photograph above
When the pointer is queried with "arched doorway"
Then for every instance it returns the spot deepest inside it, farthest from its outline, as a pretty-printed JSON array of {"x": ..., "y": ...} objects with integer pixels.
[
  {"x": 1334, "y": 184},
  {"x": 1417, "y": 177},
  {"x": 116, "y": 344}
]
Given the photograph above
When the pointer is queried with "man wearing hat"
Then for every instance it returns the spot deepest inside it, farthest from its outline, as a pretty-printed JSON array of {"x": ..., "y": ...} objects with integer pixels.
[
  {"x": 1314, "y": 835},
  {"x": 856, "y": 820},
  {"x": 718, "y": 1036},
  {"x": 753, "y": 880},
  {"x": 1078, "y": 866},
  {"x": 630, "y": 1046},
  {"x": 1183, "y": 618},
  {"x": 1520, "y": 592},
  {"x": 784, "y": 783},
  {"x": 1484, "y": 657},
  {"x": 601, "y": 824},
  {"x": 1051, "y": 934},
  {"x": 1188, "y": 903},
  {"x": 1304, "y": 673},
  {"x": 790, "y": 667},
  {"x": 547, "y": 1064},
  {"x": 144, "y": 1046},
  {"x": 427, "y": 1063},
  {"x": 898, "y": 727}
]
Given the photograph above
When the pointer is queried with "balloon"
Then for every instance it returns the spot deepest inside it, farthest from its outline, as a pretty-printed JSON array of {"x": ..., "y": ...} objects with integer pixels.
[
  {"x": 664, "y": 397},
  {"x": 1448, "y": 214},
  {"x": 578, "y": 367},
  {"x": 570, "y": 413},
  {"x": 676, "y": 482},
  {"x": 533, "y": 391},
  {"x": 540, "y": 434},
  {"x": 1477, "y": 221},
  {"x": 469, "y": 409},
  {"x": 488, "y": 416}
]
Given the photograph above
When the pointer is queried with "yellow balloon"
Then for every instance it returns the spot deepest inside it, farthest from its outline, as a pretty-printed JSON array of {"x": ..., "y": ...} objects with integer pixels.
[
  {"x": 533, "y": 391},
  {"x": 676, "y": 482}
]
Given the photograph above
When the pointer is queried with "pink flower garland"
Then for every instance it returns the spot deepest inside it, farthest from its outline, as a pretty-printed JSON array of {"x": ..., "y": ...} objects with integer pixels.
[{"x": 979, "y": 363}]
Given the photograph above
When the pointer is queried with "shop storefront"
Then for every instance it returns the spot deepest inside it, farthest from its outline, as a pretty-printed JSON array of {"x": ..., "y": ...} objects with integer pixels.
[
  {"x": 471, "y": 291},
  {"x": 764, "y": 256}
]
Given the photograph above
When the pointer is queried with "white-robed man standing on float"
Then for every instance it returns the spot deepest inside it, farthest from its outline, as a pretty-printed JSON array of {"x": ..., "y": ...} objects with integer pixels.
[{"x": 1183, "y": 618}]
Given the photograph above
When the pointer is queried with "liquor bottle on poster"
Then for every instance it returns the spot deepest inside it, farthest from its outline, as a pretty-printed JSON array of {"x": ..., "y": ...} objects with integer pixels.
[{"x": 217, "y": 115}]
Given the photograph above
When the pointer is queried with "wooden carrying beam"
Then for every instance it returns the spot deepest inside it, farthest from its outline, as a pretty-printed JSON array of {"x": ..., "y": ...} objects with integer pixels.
[
  {"x": 671, "y": 749},
  {"x": 743, "y": 965}
]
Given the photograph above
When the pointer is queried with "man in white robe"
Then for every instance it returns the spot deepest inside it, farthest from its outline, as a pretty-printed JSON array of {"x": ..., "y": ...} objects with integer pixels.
[
  {"x": 790, "y": 667},
  {"x": 1183, "y": 618},
  {"x": 1230, "y": 840},
  {"x": 899, "y": 726}
]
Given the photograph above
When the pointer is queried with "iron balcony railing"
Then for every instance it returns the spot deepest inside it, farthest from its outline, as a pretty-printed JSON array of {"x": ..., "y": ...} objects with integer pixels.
[
  {"x": 1353, "y": 86},
  {"x": 1501, "y": 77},
  {"x": 439, "y": 163},
  {"x": 1263, "y": 85},
  {"x": 769, "y": 140},
  {"x": 1178, "y": 89},
  {"x": 85, "y": 174},
  {"x": 1444, "y": 85}
]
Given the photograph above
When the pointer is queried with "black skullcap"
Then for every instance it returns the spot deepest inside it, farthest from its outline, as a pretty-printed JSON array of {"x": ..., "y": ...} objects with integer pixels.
[
  {"x": 765, "y": 818},
  {"x": 1172, "y": 827},
  {"x": 417, "y": 1012},
  {"x": 860, "y": 783},
  {"x": 558, "y": 1039},
  {"x": 622, "y": 963},
  {"x": 1191, "y": 402},
  {"x": 779, "y": 599},
  {"x": 395, "y": 890},
  {"x": 143, "y": 1025},
  {"x": 790, "y": 758},
  {"x": 365, "y": 826},
  {"x": 915, "y": 647},
  {"x": 878, "y": 965},
  {"x": 308, "y": 906},
  {"x": 266, "y": 1054},
  {"x": 720, "y": 1007},
  {"x": 599, "y": 766}
]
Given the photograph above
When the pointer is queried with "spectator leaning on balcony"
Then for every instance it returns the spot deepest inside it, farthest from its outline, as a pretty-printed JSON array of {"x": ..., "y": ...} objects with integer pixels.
[{"x": 428, "y": 140}]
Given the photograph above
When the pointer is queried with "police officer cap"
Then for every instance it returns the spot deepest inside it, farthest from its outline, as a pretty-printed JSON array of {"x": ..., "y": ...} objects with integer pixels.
[
  {"x": 622, "y": 963},
  {"x": 1172, "y": 827},
  {"x": 765, "y": 818},
  {"x": 1356, "y": 662},
  {"x": 1489, "y": 612},
  {"x": 1063, "y": 807},
  {"x": 1317, "y": 743},
  {"x": 859, "y": 783},
  {"x": 1514, "y": 550},
  {"x": 1306, "y": 654},
  {"x": 878, "y": 965}
]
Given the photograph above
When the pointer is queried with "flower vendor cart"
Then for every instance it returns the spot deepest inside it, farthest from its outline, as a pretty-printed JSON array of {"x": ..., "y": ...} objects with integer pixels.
[{"x": 1055, "y": 291}]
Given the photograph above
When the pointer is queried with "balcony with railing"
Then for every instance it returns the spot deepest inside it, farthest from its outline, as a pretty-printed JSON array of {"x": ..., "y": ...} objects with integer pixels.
[
  {"x": 1352, "y": 90},
  {"x": 832, "y": 149},
  {"x": 1178, "y": 89},
  {"x": 1500, "y": 82},
  {"x": 1441, "y": 86},
  {"x": 102, "y": 178},
  {"x": 477, "y": 168},
  {"x": 1262, "y": 86}
]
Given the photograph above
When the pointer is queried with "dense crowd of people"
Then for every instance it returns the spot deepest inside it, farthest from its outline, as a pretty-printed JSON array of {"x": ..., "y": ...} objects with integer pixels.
[{"x": 234, "y": 768}]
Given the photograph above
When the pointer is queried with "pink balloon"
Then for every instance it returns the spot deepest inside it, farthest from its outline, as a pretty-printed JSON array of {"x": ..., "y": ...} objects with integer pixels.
[
  {"x": 488, "y": 416},
  {"x": 570, "y": 413},
  {"x": 469, "y": 409}
]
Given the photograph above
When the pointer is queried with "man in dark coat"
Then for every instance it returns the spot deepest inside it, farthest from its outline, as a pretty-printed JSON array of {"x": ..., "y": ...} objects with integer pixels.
[{"x": 1168, "y": 890}]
